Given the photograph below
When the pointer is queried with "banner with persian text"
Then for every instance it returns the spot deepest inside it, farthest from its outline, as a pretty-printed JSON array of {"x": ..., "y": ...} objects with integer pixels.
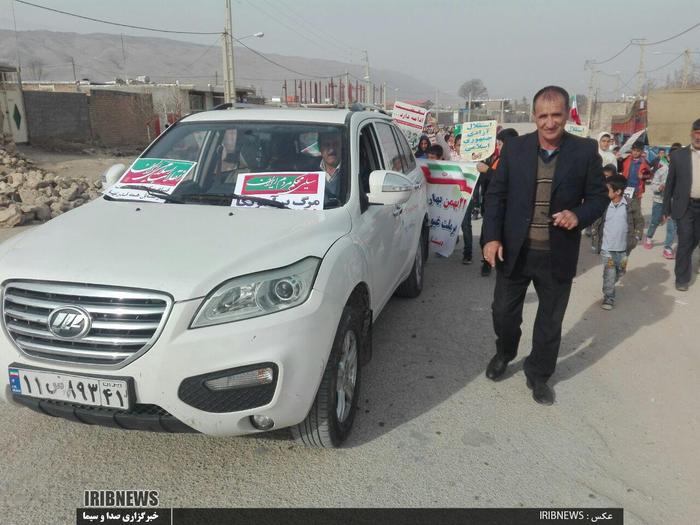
[
  {"x": 478, "y": 140},
  {"x": 411, "y": 120},
  {"x": 450, "y": 188}
]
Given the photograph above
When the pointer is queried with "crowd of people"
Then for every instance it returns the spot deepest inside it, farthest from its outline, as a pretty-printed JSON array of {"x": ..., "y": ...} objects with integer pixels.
[
  {"x": 532, "y": 221},
  {"x": 634, "y": 167}
]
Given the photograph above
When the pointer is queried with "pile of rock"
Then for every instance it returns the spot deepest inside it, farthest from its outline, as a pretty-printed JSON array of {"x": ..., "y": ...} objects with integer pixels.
[{"x": 29, "y": 194}]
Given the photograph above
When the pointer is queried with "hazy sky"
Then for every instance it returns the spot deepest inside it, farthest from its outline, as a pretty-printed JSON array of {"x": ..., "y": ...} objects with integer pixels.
[{"x": 514, "y": 46}]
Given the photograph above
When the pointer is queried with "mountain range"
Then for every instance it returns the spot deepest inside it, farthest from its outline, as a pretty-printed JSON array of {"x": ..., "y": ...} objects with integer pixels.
[{"x": 101, "y": 57}]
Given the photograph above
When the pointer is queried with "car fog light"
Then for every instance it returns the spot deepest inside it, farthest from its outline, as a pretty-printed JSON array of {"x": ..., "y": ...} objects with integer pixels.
[
  {"x": 262, "y": 422},
  {"x": 261, "y": 376}
]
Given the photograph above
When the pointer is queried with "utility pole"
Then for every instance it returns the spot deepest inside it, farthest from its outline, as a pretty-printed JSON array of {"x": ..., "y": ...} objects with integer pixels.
[
  {"x": 126, "y": 76},
  {"x": 469, "y": 108},
  {"x": 437, "y": 106},
  {"x": 503, "y": 102},
  {"x": 229, "y": 73},
  {"x": 591, "y": 87},
  {"x": 641, "y": 74},
  {"x": 75, "y": 77},
  {"x": 384, "y": 96},
  {"x": 347, "y": 89},
  {"x": 367, "y": 79},
  {"x": 687, "y": 65}
]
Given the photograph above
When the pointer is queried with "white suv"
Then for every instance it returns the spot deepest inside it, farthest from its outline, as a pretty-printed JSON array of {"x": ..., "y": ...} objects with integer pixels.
[{"x": 188, "y": 309}]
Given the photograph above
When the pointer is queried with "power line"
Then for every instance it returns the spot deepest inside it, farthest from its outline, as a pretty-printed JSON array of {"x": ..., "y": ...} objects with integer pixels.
[
  {"x": 315, "y": 41},
  {"x": 169, "y": 31},
  {"x": 666, "y": 64},
  {"x": 281, "y": 65},
  {"x": 597, "y": 63},
  {"x": 216, "y": 42},
  {"x": 674, "y": 36},
  {"x": 116, "y": 23},
  {"x": 633, "y": 43},
  {"x": 329, "y": 38}
]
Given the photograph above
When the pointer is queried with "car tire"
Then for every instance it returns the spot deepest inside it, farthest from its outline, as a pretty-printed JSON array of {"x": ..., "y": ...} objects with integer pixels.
[
  {"x": 330, "y": 420},
  {"x": 413, "y": 285}
]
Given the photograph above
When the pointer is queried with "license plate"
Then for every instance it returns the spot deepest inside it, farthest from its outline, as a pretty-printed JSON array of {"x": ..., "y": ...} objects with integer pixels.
[{"x": 91, "y": 391}]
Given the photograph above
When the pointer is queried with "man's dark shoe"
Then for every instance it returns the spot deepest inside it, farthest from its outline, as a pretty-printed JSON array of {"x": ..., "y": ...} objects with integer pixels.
[
  {"x": 497, "y": 367},
  {"x": 467, "y": 259},
  {"x": 541, "y": 392},
  {"x": 485, "y": 269},
  {"x": 681, "y": 287}
]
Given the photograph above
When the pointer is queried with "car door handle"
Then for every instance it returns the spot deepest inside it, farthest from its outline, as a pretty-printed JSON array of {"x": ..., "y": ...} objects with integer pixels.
[{"x": 398, "y": 209}]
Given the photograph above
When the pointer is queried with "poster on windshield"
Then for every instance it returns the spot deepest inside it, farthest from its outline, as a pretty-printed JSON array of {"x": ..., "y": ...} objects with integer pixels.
[
  {"x": 162, "y": 175},
  {"x": 450, "y": 187},
  {"x": 478, "y": 140},
  {"x": 411, "y": 120},
  {"x": 299, "y": 191}
]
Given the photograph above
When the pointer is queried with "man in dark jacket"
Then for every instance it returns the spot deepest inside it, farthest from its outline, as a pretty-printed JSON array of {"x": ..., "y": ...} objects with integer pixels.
[
  {"x": 488, "y": 171},
  {"x": 682, "y": 203},
  {"x": 548, "y": 187}
]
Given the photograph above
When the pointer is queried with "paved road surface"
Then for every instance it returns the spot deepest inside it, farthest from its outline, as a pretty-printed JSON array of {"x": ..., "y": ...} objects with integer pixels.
[{"x": 432, "y": 430}]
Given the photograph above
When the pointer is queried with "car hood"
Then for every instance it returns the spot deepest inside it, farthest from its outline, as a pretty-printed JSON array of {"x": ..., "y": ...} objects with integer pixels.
[{"x": 184, "y": 250}]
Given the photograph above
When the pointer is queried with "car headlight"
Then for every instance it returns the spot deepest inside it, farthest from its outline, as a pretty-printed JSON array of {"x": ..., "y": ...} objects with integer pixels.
[{"x": 258, "y": 294}]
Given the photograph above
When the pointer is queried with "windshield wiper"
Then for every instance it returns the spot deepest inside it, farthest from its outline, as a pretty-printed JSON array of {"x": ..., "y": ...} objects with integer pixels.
[
  {"x": 153, "y": 192},
  {"x": 227, "y": 198}
]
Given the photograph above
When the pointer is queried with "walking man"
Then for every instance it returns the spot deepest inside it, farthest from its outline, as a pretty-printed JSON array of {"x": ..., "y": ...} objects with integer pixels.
[
  {"x": 682, "y": 203},
  {"x": 548, "y": 187}
]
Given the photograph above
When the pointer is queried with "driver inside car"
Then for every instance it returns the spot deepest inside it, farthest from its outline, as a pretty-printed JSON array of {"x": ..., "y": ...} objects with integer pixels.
[{"x": 331, "y": 145}]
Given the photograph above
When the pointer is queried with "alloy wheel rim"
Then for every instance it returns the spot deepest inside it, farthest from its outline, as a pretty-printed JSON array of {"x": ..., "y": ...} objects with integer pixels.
[{"x": 347, "y": 376}]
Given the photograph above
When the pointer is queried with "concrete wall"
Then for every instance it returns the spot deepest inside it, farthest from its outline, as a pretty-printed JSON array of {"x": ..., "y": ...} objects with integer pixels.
[
  {"x": 670, "y": 115},
  {"x": 57, "y": 117},
  {"x": 121, "y": 119}
]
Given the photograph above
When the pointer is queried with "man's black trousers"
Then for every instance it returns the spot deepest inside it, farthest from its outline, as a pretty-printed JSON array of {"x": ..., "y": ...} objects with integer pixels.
[
  {"x": 509, "y": 295},
  {"x": 688, "y": 228}
]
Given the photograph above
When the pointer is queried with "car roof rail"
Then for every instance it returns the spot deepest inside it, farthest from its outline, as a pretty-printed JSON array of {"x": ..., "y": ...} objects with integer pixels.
[
  {"x": 359, "y": 106},
  {"x": 226, "y": 105},
  {"x": 318, "y": 105}
]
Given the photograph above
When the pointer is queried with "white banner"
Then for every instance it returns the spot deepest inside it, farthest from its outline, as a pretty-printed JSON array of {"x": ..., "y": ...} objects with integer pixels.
[
  {"x": 450, "y": 187},
  {"x": 478, "y": 140},
  {"x": 411, "y": 120},
  {"x": 576, "y": 129}
]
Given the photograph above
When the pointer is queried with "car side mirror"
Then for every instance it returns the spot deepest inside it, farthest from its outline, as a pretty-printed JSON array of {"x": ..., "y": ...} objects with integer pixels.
[
  {"x": 112, "y": 175},
  {"x": 389, "y": 187}
]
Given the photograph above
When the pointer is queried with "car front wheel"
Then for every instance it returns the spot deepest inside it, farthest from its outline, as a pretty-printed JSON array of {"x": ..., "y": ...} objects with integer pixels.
[
  {"x": 413, "y": 285},
  {"x": 330, "y": 419}
]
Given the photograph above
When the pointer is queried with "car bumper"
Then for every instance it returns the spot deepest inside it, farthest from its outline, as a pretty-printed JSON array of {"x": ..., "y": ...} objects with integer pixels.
[{"x": 296, "y": 342}]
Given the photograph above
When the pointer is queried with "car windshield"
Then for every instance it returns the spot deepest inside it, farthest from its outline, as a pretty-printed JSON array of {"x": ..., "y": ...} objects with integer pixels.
[{"x": 299, "y": 164}]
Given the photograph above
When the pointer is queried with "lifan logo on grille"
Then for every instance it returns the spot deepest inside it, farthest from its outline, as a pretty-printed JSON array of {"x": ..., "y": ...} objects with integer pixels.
[{"x": 69, "y": 322}]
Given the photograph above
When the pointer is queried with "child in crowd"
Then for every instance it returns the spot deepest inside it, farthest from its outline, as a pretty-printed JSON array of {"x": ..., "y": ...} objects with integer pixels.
[
  {"x": 658, "y": 185},
  {"x": 609, "y": 171},
  {"x": 422, "y": 149},
  {"x": 615, "y": 235},
  {"x": 435, "y": 152},
  {"x": 636, "y": 170},
  {"x": 604, "y": 141}
]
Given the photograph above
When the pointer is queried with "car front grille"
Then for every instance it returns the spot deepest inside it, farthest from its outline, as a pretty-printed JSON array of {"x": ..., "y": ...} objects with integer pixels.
[{"x": 125, "y": 322}]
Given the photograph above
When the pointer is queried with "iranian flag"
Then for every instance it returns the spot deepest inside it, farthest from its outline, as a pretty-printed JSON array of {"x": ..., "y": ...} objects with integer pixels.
[
  {"x": 573, "y": 113},
  {"x": 463, "y": 175}
]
